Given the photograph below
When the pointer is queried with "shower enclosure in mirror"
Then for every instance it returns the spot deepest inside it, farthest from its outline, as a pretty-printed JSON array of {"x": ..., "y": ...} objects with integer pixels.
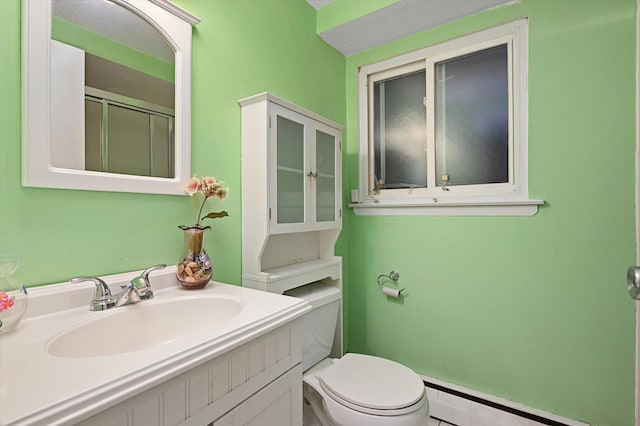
[{"x": 107, "y": 95}]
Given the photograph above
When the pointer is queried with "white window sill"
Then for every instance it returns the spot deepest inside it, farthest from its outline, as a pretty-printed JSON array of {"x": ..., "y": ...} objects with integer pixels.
[{"x": 444, "y": 208}]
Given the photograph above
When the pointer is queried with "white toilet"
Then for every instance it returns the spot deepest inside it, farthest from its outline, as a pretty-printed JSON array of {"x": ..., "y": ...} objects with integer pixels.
[{"x": 355, "y": 389}]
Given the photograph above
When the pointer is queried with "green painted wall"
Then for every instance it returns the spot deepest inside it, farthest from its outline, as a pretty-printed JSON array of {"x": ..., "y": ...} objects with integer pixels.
[
  {"x": 531, "y": 309},
  {"x": 77, "y": 36},
  {"x": 239, "y": 49}
]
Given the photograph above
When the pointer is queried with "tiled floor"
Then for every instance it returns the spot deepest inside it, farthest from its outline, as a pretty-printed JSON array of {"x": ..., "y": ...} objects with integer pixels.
[{"x": 436, "y": 422}]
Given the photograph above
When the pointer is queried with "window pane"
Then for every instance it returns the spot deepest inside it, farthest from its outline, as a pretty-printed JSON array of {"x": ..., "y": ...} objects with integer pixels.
[
  {"x": 290, "y": 183},
  {"x": 400, "y": 131},
  {"x": 472, "y": 118}
]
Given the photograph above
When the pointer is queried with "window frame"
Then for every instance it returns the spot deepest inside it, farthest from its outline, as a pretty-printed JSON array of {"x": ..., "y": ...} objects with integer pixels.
[{"x": 514, "y": 193}]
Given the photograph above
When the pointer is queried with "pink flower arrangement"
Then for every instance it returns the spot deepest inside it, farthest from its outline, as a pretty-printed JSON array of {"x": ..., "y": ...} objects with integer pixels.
[
  {"x": 209, "y": 187},
  {"x": 5, "y": 301}
]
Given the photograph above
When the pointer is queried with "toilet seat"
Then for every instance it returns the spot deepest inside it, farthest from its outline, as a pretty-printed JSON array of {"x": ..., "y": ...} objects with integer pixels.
[{"x": 372, "y": 385}]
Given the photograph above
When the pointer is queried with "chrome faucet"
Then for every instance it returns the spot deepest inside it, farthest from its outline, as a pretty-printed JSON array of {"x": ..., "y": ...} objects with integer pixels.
[
  {"x": 128, "y": 296},
  {"x": 142, "y": 284},
  {"x": 137, "y": 290},
  {"x": 102, "y": 298}
]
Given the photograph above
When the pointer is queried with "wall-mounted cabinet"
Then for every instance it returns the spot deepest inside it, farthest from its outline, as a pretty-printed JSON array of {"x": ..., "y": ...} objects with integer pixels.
[
  {"x": 291, "y": 195},
  {"x": 304, "y": 172}
]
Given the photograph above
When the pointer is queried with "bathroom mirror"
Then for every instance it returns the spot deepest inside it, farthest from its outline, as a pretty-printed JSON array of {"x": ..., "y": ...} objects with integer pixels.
[{"x": 106, "y": 95}]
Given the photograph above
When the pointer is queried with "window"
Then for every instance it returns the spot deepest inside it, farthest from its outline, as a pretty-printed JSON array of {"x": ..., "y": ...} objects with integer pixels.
[{"x": 447, "y": 124}]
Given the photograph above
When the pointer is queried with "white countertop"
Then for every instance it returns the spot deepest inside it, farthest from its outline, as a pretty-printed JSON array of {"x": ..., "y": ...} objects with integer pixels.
[{"x": 37, "y": 388}]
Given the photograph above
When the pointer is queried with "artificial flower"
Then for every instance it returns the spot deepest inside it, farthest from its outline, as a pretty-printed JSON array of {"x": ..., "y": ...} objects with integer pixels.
[{"x": 209, "y": 187}]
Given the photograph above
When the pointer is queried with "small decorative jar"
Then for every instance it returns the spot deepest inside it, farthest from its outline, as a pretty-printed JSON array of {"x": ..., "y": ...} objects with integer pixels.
[
  {"x": 194, "y": 268},
  {"x": 13, "y": 296}
]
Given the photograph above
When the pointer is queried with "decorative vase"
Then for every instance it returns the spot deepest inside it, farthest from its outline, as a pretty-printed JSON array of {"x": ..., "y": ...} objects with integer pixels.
[
  {"x": 13, "y": 296},
  {"x": 194, "y": 268}
]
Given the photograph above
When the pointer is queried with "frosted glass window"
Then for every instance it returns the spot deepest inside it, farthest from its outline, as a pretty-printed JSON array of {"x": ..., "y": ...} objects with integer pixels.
[
  {"x": 472, "y": 118},
  {"x": 326, "y": 179},
  {"x": 399, "y": 135},
  {"x": 469, "y": 139},
  {"x": 291, "y": 176},
  {"x": 446, "y": 124}
]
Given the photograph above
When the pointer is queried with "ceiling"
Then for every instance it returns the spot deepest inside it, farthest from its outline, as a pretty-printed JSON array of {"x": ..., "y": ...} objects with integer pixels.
[
  {"x": 319, "y": 4},
  {"x": 398, "y": 20}
]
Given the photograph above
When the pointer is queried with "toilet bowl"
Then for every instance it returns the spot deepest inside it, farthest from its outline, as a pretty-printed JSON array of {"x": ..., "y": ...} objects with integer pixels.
[
  {"x": 365, "y": 390},
  {"x": 356, "y": 389}
]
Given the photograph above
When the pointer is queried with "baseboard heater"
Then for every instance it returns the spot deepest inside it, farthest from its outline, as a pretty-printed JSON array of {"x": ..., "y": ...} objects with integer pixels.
[{"x": 485, "y": 402}]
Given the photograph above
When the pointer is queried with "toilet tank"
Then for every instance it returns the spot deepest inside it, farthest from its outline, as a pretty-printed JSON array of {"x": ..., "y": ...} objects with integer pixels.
[{"x": 319, "y": 325}]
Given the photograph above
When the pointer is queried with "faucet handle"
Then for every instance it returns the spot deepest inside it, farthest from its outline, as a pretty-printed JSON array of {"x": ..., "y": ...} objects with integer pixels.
[
  {"x": 146, "y": 273},
  {"x": 142, "y": 283},
  {"x": 102, "y": 298}
]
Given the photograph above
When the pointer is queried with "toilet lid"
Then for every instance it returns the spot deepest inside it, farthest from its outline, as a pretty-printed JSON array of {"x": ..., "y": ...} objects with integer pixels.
[{"x": 372, "y": 383}]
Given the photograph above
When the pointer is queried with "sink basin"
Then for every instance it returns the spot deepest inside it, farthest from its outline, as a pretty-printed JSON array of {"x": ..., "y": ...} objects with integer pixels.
[{"x": 143, "y": 325}]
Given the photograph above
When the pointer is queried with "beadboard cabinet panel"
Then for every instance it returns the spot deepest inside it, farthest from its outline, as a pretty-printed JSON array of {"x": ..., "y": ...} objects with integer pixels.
[
  {"x": 277, "y": 405},
  {"x": 223, "y": 387}
]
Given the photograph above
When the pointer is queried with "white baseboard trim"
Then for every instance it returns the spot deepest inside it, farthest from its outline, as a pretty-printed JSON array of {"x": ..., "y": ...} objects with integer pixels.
[{"x": 460, "y": 411}]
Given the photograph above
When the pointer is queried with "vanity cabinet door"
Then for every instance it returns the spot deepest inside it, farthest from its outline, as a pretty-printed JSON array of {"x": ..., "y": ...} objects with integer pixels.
[
  {"x": 278, "y": 404},
  {"x": 304, "y": 173}
]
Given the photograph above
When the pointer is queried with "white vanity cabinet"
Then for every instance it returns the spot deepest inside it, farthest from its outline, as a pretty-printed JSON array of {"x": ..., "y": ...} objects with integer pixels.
[
  {"x": 258, "y": 382},
  {"x": 291, "y": 195},
  {"x": 238, "y": 367}
]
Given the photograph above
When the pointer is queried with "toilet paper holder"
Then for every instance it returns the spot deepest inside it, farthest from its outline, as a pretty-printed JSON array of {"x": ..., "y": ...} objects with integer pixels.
[{"x": 390, "y": 291}]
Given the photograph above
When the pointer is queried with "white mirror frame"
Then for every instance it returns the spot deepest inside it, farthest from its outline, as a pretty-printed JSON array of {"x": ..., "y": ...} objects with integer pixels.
[{"x": 175, "y": 25}]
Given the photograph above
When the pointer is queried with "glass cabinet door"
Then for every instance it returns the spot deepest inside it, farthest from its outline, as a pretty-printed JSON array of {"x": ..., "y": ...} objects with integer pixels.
[
  {"x": 325, "y": 188},
  {"x": 290, "y": 176},
  {"x": 304, "y": 173}
]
